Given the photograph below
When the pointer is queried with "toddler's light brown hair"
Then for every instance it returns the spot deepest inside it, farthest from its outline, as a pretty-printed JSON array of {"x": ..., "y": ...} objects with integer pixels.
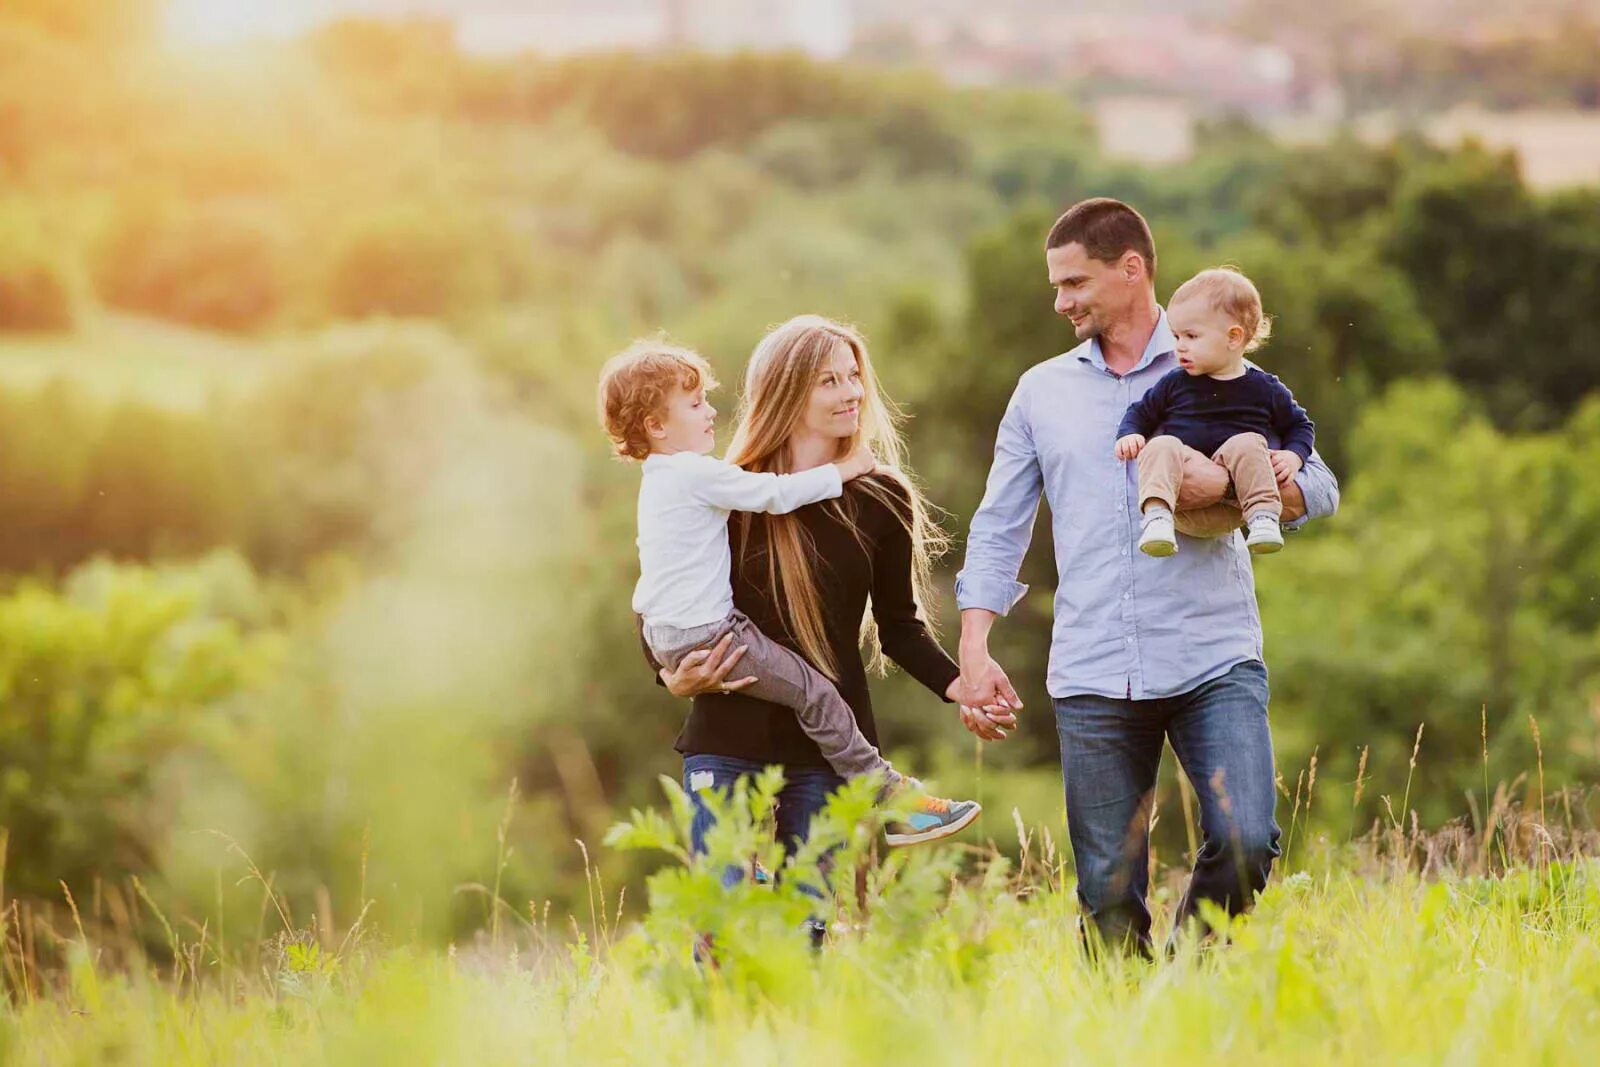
[
  {"x": 635, "y": 384},
  {"x": 1230, "y": 292}
]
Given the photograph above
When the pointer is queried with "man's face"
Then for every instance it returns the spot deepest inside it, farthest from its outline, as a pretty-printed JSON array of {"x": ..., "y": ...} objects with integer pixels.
[{"x": 1092, "y": 294}]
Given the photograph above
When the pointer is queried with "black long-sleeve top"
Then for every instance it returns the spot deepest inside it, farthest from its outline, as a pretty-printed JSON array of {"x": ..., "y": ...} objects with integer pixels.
[
  {"x": 848, "y": 573},
  {"x": 1203, "y": 412}
]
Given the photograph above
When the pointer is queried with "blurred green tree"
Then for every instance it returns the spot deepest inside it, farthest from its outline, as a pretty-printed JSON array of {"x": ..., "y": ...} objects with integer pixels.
[
  {"x": 1450, "y": 582},
  {"x": 1508, "y": 280},
  {"x": 412, "y": 260},
  {"x": 103, "y": 681}
]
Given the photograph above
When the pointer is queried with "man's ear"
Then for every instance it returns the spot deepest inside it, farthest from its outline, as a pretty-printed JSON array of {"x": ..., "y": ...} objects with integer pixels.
[{"x": 1133, "y": 266}]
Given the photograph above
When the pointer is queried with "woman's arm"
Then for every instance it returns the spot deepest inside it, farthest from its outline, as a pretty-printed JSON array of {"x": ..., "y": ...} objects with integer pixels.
[{"x": 901, "y": 628}]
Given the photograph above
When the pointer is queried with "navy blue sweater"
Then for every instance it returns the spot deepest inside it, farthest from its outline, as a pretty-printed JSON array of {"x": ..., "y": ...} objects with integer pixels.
[{"x": 1203, "y": 412}]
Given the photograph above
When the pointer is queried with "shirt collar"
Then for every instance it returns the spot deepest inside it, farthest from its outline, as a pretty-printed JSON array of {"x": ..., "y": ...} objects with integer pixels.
[{"x": 1161, "y": 343}]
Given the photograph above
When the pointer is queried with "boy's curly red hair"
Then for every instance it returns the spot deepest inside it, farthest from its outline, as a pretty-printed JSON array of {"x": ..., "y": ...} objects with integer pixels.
[{"x": 635, "y": 384}]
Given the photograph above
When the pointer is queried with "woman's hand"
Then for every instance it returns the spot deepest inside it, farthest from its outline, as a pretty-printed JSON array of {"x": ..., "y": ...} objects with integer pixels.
[
  {"x": 707, "y": 670},
  {"x": 990, "y": 723},
  {"x": 1130, "y": 446}
]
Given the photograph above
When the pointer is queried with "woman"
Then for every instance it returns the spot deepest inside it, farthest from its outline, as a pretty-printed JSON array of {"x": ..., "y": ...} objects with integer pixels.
[{"x": 806, "y": 578}]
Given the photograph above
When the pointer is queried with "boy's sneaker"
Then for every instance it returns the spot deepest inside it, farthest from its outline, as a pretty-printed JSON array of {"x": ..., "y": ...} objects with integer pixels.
[
  {"x": 1158, "y": 538},
  {"x": 930, "y": 818},
  {"x": 1265, "y": 534}
]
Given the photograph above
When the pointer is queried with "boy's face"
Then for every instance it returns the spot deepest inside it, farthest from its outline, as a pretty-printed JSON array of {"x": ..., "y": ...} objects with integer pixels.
[
  {"x": 1208, "y": 341},
  {"x": 687, "y": 424}
]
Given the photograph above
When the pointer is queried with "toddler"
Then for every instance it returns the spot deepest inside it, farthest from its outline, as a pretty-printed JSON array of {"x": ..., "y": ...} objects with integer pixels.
[{"x": 1216, "y": 405}]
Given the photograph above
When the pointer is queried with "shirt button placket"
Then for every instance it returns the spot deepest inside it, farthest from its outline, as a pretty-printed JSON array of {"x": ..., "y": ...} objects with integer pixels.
[{"x": 1125, "y": 396}]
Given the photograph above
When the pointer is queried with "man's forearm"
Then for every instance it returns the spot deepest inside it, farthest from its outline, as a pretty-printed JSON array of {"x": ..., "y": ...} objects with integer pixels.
[
  {"x": 1315, "y": 491},
  {"x": 1294, "y": 501},
  {"x": 975, "y": 626},
  {"x": 983, "y": 683}
]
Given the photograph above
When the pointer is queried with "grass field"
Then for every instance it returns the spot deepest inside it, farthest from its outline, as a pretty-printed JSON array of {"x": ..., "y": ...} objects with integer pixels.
[
  {"x": 1386, "y": 950},
  {"x": 1341, "y": 970}
]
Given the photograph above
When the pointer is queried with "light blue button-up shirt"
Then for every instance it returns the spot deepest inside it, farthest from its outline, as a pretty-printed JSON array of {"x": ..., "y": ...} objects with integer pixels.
[{"x": 1126, "y": 624}]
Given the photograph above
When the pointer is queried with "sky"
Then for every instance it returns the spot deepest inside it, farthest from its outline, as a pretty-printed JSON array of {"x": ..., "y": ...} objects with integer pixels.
[
  {"x": 819, "y": 26},
  {"x": 227, "y": 21}
]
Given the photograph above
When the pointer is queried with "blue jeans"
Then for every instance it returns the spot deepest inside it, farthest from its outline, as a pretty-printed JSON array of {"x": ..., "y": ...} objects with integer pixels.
[
  {"x": 805, "y": 793},
  {"x": 1110, "y": 752}
]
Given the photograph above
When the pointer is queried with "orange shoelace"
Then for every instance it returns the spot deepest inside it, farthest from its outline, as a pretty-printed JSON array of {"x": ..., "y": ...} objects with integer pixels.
[{"x": 937, "y": 805}]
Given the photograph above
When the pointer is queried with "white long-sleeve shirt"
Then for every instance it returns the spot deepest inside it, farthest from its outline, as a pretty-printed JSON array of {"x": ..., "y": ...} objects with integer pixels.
[{"x": 684, "y": 502}]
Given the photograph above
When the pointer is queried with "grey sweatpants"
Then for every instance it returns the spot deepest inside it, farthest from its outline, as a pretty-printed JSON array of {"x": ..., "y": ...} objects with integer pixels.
[{"x": 782, "y": 677}]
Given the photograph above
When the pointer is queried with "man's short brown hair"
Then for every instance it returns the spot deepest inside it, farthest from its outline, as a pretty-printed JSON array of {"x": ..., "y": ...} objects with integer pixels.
[
  {"x": 635, "y": 384},
  {"x": 1106, "y": 228}
]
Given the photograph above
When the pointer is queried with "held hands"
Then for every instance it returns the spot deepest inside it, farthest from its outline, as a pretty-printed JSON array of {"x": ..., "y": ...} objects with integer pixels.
[
  {"x": 989, "y": 723},
  {"x": 859, "y": 462},
  {"x": 1286, "y": 464},
  {"x": 1130, "y": 446},
  {"x": 988, "y": 701}
]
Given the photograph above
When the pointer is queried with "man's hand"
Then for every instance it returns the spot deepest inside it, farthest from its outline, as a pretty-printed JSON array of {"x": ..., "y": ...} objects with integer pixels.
[
  {"x": 1286, "y": 464},
  {"x": 1130, "y": 446},
  {"x": 707, "y": 670},
  {"x": 990, "y": 723},
  {"x": 983, "y": 683},
  {"x": 1204, "y": 484}
]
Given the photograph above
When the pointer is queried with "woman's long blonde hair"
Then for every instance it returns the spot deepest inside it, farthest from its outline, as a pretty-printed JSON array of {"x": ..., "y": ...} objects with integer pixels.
[{"x": 778, "y": 382}]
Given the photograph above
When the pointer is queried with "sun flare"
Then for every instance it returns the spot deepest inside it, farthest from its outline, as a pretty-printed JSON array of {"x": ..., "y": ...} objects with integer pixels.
[{"x": 210, "y": 22}]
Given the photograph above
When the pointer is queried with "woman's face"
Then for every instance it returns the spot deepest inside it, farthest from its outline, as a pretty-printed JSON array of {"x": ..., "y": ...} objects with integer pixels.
[{"x": 834, "y": 408}]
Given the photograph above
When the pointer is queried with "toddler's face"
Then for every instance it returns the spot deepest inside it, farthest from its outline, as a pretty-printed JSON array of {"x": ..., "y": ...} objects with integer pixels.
[
  {"x": 1208, "y": 341},
  {"x": 689, "y": 424}
]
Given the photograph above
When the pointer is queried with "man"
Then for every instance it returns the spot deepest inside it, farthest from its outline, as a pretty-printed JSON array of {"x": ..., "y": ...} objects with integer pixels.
[{"x": 1143, "y": 648}]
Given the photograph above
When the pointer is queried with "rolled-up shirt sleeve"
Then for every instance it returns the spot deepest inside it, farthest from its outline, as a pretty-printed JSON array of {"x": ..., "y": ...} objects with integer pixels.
[
  {"x": 998, "y": 538},
  {"x": 1319, "y": 487}
]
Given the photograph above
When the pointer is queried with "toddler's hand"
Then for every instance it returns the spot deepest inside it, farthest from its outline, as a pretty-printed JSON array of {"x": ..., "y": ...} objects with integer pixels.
[
  {"x": 859, "y": 462},
  {"x": 1130, "y": 446},
  {"x": 1286, "y": 464}
]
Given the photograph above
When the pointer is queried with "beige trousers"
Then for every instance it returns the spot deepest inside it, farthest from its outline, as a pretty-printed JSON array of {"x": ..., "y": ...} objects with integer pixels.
[{"x": 1244, "y": 456}]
